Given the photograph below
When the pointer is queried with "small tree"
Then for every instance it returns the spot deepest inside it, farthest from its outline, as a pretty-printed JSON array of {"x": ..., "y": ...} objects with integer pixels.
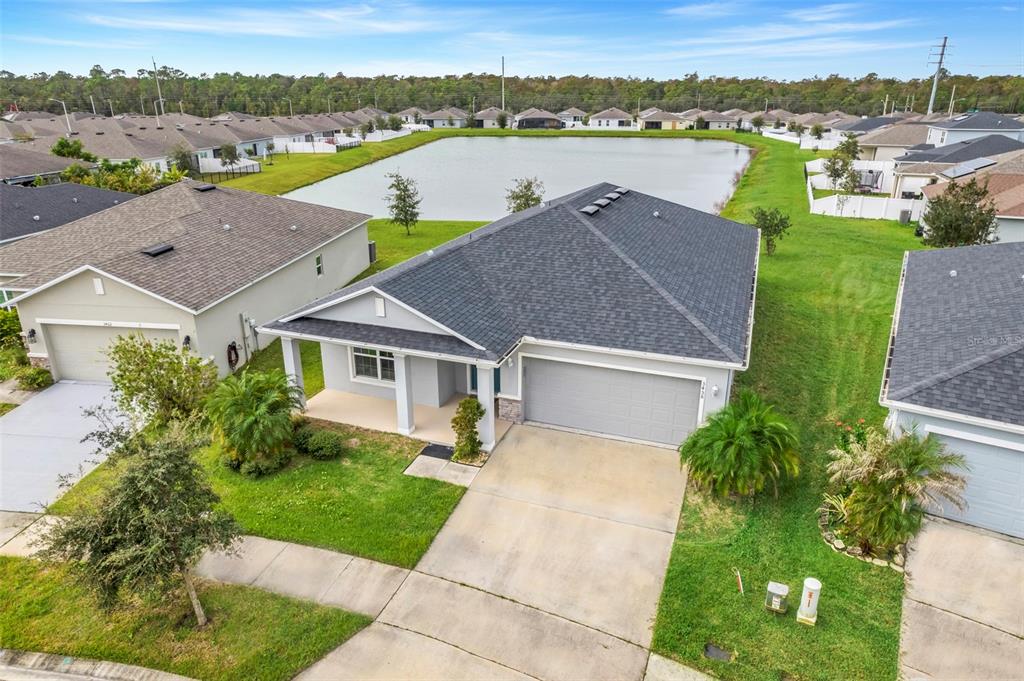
[
  {"x": 817, "y": 131},
  {"x": 741, "y": 448},
  {"x": 502, "y": 120},
  {"x": 776, "y": 124},
  {"x": 526, "y": 192},
  {"x": 365, "y": 129},
  {"x": 757, "y": 122},
  {"x": 69, "y": 148},
  {"x": 837, "y": 168},
  {"x": 773, "y": 224},
  {"x": 451, "y": 121},
  {"x": 700, "y": 123},
  {"x": 849, "y": 147},
  {"x": 181, "y": 159},
  {"x": 394, "y": 123},
  {"x": 229, "y": 154},
  {"x": 252, "y": 415},
  {"x": 158, "y": 380},
  {"x": 962, "y": 215},
  {"x": 403, "y": 201},
  {"x": 467, "y": 439},
  {"x": 270, "y": 153},
  {"x": 147, "y": 532}
]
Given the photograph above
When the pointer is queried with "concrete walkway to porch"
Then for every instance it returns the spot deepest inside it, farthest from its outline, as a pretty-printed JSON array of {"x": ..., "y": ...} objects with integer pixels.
[{"x": 433, "y": 424}]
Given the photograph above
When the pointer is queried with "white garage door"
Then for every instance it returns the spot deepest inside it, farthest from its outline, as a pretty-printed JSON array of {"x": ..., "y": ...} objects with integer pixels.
[
  {"x": 610, "y": 401},
  {"x": 995, "y": 487},
  {"x": 79, "y": 352}
]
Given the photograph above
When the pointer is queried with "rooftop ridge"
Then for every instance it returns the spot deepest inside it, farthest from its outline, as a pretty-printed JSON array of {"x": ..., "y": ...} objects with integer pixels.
[{"x": 959, "y": 370}]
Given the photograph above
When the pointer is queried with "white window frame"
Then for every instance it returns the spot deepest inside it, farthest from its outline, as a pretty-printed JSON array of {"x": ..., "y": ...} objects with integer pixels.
[
  {"x": 318, "y": 262},
  {"x": 379, "y": 356}
]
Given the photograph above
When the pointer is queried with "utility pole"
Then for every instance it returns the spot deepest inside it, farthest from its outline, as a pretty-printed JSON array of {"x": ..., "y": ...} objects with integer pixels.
[
  {"x": 885, "y": 106},
  {"x": 67, "y": 119},
  {"x": 952, "y": 99},
  {"x": 181, "y": 107},
  {"x": 91, "y": 101},
  {"x": 142, "y": 103},
  {"x": 938, "y": 71},
  {"x": 291, "y": 111},
  {"x": 503, "y": 83},
  {"x": 156, "y": 111},
  {"x": 766, "y": 105},
  {"x": 160, "y": 96},
  {"x": 328, "y": 105},
  {"x": 111, "y": 103}
]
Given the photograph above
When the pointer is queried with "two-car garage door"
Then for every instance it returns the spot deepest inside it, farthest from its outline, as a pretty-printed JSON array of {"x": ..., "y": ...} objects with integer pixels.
[
  {"x": 78, "y": 352},
  {"x": 629, "y": 404},
  {"x": 995, "y": 486}
]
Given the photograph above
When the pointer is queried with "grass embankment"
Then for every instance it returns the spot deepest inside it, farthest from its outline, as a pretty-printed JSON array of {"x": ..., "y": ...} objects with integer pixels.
[
  {"x": 252, "y": 634},
  {"x": 291, "y": 172},
  {"x": 824, "y": 306}
]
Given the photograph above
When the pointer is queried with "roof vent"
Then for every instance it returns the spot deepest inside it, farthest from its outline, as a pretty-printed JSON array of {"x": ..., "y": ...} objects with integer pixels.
[
  {"x": 99, "y": 132},
  {"x": 602, "y": 202},
  {"x": 227, "y": 227},
  {"x": 614, "y": 196},
  {"x": 294, "y": 228},
  {"x": 204, "y": 187},
  {"x": 621, "y": 190},
  {"x": 952, "y": 273},
  {"x": 36, "y": 218},
  {"x": 656, "y": 214},
  {"x": 590, "y": 210},
  {"x": 157, "y": 249},
  {"x": 74, "y": 199}
]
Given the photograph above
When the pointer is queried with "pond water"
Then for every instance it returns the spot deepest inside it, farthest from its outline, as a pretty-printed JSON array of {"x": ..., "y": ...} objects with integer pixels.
[{"x": 465, "y": 178}]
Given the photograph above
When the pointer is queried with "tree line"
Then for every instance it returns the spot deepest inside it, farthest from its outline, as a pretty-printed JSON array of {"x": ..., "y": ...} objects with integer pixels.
[{"x": 118, "y": 91}]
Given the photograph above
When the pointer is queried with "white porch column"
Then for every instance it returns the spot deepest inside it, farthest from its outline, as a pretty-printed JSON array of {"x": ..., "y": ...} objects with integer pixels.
[
  {"x": 485, "y": 394},
  {"x": 403, "y": 394},
  {"x": 293, "y": 365}
]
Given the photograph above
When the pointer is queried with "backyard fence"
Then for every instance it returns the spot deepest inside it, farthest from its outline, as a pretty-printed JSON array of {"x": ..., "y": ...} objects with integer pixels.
[
  {"x": 229, "y": 172},
  {"x": 868, "y": 207}
]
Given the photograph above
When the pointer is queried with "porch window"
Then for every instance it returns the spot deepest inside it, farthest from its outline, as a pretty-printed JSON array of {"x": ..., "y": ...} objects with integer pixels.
[{"x": 375, "y": 364}]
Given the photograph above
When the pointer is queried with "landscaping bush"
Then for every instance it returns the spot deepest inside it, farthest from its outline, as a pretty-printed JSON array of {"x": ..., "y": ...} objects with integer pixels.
[
  {"x": 10, "y": 327},
  {"x": 252, "y": 414},
  {"x": 304, "y": 432},
  {"x": 33, "y": 378},
  {"x": 467, "y": 439},
  {"x": 742, "y": 447},
  {"x": 12, "y": 359},
  {"x": 886, "y": 485},
  {"x": 325, "y": 444}
]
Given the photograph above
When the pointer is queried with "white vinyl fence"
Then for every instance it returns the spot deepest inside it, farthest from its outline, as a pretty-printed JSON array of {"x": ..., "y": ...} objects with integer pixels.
[
  {"x": 214, "y": 165},
  {"x": 868, "y": 207}
]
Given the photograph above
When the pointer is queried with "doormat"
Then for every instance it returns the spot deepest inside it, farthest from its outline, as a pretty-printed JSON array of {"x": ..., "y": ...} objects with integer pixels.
[{"x": 438, "y": 452}]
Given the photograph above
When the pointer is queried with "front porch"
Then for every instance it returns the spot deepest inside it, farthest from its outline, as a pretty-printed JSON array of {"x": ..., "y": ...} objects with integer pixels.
[{"x": 433, "y": 424}]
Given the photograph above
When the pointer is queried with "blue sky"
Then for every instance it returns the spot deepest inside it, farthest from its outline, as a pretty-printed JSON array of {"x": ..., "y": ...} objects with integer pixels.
[{"x": 786, "y": 40}]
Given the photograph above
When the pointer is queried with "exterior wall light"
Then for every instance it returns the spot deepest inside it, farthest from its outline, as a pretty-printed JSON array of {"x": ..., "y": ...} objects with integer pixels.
[
  {"x": 31, "y": 336},
  {"x": 186, "y": 342}
]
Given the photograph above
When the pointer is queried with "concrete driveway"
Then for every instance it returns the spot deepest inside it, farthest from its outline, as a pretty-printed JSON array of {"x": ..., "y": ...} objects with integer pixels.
[
  {"x": 963, "y": 611},
  {"x": 551, "y": 567},
  {"x": 40, "y": 440}
]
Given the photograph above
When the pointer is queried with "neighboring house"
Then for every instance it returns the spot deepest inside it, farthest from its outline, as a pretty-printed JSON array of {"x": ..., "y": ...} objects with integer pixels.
[
  {"x": 738, "y": 113},
  {"x": 25, "y": 211},
  {"x": 955, "y": 369},
  {"x": 572, "y": 117},
  {"x": 200, "y": 265},
  {"x": 611, "y": 118},
  {"x": 860, "y": 126},
  {"x": 413, "y": 114},
  {"x": 1005, "y": 184},
  {"x": 892, "y": 141},
  {"x": 448, "y": 117},
  {"x": 969, "y": 126},
  {"x": 488, "y": 118},
  {"x": 921, "y": 167},
  {"x": 534, "y": 118},
  {"x": 661, "y": 120},
  {"x": 716, "y": 121},
  {"x": 636, "y": 336},
  {"x": 23, "y": 163}
]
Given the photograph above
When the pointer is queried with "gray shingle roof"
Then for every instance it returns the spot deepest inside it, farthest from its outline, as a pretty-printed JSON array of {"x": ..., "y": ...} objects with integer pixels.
[
  {"x": 400, "y": 339},
  {"x": 899, "y": 135},
  {"x": 28, "y": 210},
  {"x": 612, "y": 113},
  {"x": 679, "y": 284},
  {"x": 28, "y": 161},
  {"x": 491, "y": 113},
  {"x": 208, "y": 262},
  {"x": 980, "y": 120},
  {"x": 958, "y": 345},
  {"x": 958, "y": 152},
  {"x": 865, "y": 124},
  {"x": 572, "y": 111}
]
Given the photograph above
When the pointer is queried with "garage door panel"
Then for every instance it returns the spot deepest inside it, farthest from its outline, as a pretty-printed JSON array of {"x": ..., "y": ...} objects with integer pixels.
[
  {"x": 78, "y": 352},
  {"x": 995, "y": 487},
  {"x": 611, "y": 401}
]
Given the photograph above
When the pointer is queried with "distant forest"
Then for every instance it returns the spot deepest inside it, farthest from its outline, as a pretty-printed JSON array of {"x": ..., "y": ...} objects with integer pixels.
[{"x": 207, "y": 95}]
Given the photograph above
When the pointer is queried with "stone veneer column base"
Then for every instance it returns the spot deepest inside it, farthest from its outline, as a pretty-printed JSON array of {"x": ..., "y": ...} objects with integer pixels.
[
  {"x": 510, "y": 410},
  {"x": 43, "y": 362}
]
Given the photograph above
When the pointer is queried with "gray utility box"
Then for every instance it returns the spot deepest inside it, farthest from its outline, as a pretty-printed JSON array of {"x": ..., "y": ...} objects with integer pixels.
[{"x": 776, "y": 598}]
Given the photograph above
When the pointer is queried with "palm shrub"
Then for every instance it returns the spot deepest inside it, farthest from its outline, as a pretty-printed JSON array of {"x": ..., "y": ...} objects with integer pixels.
[
  {"x": 892, "y": 482},
  {"x": 251, "y": 414},
  {"x": 741, "y": 448}
]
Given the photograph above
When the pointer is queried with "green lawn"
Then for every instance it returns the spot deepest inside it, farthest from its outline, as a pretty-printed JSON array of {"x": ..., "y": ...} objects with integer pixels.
[
  {"x": 6, "y": 407},
  {"x": 252, "y": 634},
  {"x": 824, "y": 306},
  {"x": 362, "y": 504}
]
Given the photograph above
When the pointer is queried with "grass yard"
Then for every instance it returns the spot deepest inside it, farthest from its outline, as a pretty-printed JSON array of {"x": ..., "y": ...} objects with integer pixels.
[
  {"x": 824, "y": 306},
  {"x": 6, "y": 407},
  {"x": 362, "y": 504},
  {"x": 252, "y": 634}
]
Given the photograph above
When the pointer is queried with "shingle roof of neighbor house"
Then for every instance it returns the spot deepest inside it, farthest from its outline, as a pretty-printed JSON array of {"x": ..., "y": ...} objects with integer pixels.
[
  {"x": 958, "y": 152},
  {"x": 640, "y": 274},
  {"x": 491, "y": 113},
  {"x": 210, "y": 260},
  {"x": 613, "y": 113},
  {"x": 980, "y": 120},
  {"x": 19, "y": 161},
  {"x": 958, "y": 339},
  {"x": 25, "y": 211},
  {"x": 445, "y": 113},
  {"x": 866, "y": 124},
  {"x": 572, "y": 111},
  {"x": 534, "y": 112},
  {"x": 902, "y": 135}
]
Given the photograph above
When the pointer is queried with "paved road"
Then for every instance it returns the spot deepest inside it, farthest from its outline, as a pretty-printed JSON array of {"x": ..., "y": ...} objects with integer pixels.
[
  {"x": 551, "y": 567},
  {"x": 40, "y": 440},
  {"x": 963, "y": 610}
]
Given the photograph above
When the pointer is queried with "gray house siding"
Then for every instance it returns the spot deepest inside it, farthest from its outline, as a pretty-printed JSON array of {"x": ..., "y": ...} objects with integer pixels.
[{"x": 433, "y": 381}]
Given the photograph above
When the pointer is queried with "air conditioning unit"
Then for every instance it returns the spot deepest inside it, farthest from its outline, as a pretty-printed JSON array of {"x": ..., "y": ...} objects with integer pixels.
[{"x": 373, "y": 251}]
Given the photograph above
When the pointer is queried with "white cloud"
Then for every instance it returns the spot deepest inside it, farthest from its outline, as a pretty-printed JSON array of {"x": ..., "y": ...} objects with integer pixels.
[
  {"x": 773, "y": 31},
  {"x": 91, "y": 44},
  {"x": 829, "y": 12},
  {"x": 705, "y": 10}
]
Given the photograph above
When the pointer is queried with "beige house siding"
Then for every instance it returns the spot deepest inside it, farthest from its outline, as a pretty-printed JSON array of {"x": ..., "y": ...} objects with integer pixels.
[
  {"x": 279, "y": 294},
  {"x": 75, "y": 299}
]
